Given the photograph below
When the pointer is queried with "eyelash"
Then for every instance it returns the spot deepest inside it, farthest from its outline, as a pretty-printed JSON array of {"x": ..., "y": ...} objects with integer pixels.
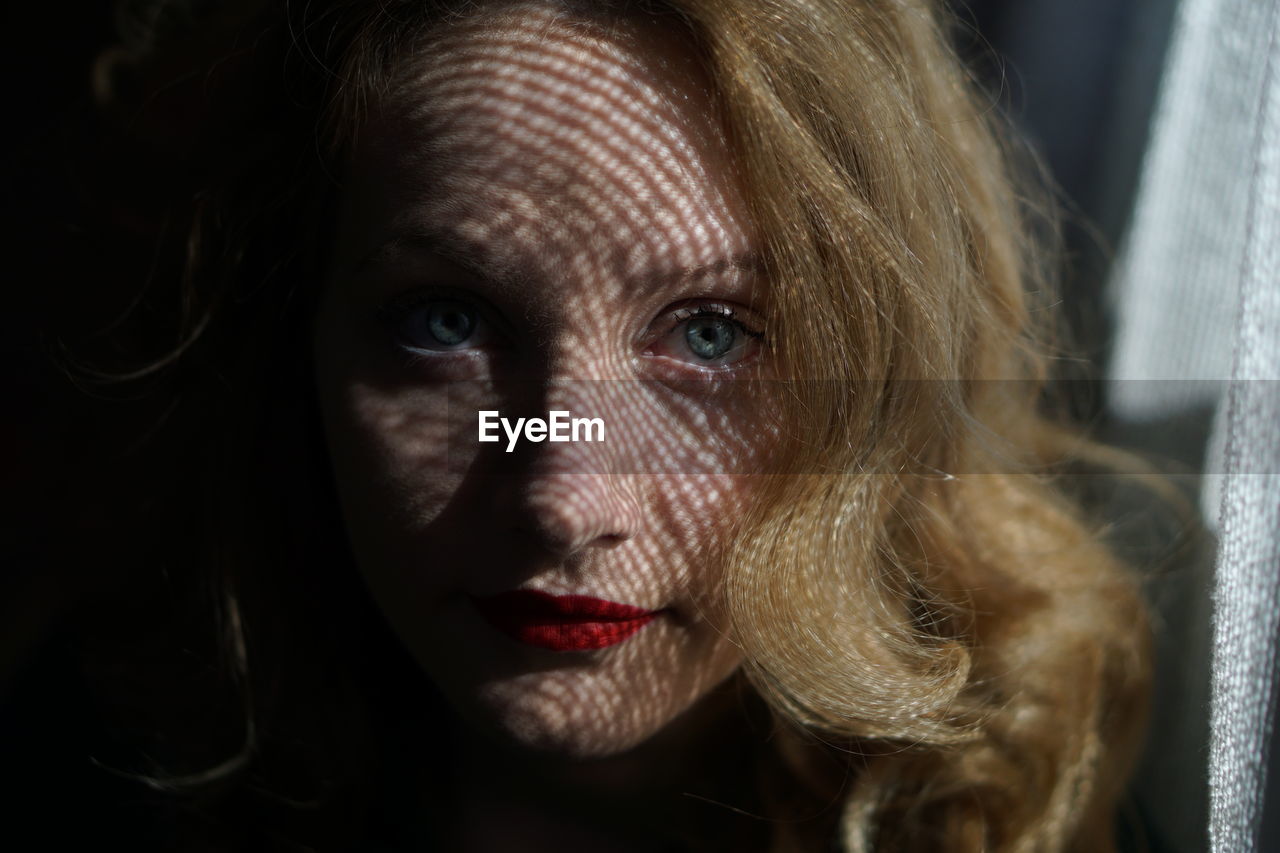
[
  {"x": 399, "y": 306},
  {"x": 718, "y": 310}
]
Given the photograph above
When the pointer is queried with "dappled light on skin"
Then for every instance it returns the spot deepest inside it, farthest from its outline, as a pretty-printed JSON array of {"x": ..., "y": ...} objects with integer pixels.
[{"x": 563, "y": 188}]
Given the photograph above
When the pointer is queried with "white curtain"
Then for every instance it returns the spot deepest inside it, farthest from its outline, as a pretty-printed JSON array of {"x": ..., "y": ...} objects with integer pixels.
[{"x": 1197, "y": 297}]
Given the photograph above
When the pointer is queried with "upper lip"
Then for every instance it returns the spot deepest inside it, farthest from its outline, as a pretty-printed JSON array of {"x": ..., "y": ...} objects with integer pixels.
[{"x": 536, "y": 605}]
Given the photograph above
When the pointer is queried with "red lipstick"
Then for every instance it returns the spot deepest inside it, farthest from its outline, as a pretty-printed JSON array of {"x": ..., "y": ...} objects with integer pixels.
[{"x": 562, "y": 623}]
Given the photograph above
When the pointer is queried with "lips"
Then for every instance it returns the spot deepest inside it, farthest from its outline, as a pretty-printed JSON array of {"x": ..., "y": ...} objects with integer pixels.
[{"x": 562, "y": 623}]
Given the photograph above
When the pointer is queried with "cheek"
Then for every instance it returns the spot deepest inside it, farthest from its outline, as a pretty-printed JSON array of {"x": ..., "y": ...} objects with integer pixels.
[
  {"x": 698, "y": 511},
  {"x": 389, "y": 446},
  {"x": 389, "y": 453}
]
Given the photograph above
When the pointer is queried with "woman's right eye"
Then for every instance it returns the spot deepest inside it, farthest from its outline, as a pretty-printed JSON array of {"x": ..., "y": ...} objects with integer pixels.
[{"x": 436, "y": 324}]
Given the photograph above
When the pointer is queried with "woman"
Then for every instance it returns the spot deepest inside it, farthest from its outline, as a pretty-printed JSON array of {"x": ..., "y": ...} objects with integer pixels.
[{"x": 797, "y": 583}]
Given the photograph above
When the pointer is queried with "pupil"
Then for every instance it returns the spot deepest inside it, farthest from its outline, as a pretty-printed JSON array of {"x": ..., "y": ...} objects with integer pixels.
[
  {"x": 450, "y": 325},
  {"x": 709, "y": 337}
]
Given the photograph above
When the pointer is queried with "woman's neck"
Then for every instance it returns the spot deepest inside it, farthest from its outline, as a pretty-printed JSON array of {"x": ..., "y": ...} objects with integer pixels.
[{"x": 692, "y": 779}]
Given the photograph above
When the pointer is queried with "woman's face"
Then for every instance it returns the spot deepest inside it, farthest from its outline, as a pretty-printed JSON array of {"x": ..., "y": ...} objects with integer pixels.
[{"x": 543, "y": 218}]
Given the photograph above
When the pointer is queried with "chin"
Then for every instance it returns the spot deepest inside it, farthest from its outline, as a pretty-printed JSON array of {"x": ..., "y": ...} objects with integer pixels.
[{"x": 547, "y": 717}]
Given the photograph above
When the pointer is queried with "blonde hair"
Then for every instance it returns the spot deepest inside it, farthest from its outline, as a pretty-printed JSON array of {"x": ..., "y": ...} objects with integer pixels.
[
  {"x": 954, "y": 659},
  {"x": 918, "y": 582}
]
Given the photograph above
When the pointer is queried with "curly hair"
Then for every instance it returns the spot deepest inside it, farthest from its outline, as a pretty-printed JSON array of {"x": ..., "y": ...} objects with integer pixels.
[{"x": 950, "y": 653}]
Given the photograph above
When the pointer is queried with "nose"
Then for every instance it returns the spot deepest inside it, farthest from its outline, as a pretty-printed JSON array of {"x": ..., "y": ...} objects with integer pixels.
[
  {"x": 568, "y": 512},
  {"x": 572, "y": 496}
]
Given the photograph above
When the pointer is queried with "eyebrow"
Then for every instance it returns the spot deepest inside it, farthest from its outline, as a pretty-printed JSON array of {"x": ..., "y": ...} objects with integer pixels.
[
  {"x": 445, "y": 245},
  {"x": 473, "y": 256},
  {"x": 748, "y": 262}
]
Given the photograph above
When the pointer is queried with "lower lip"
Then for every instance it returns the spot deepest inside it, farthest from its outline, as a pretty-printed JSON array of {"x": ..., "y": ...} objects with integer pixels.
[{"x": 568, "y": 623}]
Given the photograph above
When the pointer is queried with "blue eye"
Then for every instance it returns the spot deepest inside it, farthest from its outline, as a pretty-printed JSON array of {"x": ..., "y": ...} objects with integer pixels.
[
  {"x": 425, "y": 322},
  {"x": 705, "y": 336}
]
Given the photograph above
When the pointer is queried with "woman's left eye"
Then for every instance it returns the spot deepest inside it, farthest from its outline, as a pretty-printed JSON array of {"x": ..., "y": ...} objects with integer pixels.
[{"x": 706, "y": 336}]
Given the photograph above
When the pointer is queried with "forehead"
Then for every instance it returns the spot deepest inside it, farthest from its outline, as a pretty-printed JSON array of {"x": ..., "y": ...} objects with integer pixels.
[{"x": 537, "y": 138}]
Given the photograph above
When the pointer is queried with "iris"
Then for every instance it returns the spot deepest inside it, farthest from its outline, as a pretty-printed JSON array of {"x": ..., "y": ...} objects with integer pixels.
[
  {"x": 450, "y": 323},
  {"x": 710, "y": 337}
]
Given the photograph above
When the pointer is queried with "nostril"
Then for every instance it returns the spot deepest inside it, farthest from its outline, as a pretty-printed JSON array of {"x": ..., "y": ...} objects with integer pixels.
[
  {"x": 568, "y": 513},
  {"x": 613, "y": 540},
  {"x": 561, "y": 546}
]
